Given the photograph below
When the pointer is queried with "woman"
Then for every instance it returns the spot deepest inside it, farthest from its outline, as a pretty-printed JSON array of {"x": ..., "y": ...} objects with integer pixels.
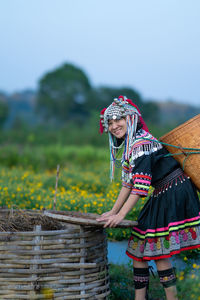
[{"x": 170, "y": 220}]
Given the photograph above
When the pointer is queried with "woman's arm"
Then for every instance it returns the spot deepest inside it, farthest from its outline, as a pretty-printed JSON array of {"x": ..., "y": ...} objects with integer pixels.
[
  {"x": 122, "y": 197},
  {"x": 113, "y": 220}
]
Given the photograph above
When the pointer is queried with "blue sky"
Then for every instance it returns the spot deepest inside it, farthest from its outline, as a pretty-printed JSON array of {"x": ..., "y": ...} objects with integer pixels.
[{"x": 152, "y": 46}]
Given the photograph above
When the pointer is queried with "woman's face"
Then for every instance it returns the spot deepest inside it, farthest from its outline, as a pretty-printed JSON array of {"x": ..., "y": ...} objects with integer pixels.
[{"x": 117, "y": 127}]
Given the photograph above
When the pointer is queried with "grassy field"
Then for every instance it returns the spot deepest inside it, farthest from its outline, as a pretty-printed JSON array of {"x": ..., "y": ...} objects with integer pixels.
[
  {"x": 27, "y": 181},
  {"x": 84, "y": 189},
  {"x": 188, "y": 284}
]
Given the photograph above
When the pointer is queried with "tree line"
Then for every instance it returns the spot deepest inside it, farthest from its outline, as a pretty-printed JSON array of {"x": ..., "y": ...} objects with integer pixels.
[
  {"x": 66, "y": 94},
  {"x": 66, "y": 102}
]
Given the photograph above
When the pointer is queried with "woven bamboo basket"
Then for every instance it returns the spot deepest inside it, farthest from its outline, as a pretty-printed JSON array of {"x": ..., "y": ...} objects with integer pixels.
[
  {"x": 70, "y": 263},
  {"x": 186, "y": 135}
]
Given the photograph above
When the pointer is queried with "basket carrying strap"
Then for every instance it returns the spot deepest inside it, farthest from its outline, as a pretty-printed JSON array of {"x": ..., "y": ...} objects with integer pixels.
[{"x": 182, "y": 149}]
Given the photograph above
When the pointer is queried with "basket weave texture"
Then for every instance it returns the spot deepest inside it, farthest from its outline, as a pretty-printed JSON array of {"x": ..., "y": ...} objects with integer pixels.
[
  {"x": 70, "y": 263},
  {"x": 186, "y": 135}
]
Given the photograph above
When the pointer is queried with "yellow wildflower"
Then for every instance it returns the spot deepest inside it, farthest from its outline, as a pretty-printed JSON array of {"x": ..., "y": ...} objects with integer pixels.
[{"x": 181, "y": 277}]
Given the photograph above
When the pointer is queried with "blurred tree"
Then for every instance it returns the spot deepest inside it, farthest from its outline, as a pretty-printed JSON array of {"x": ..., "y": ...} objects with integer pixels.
[
  {"x": 103, "y": 96},
  {"x": 151, "y": 111},
  {"x": 63, "y": 93},
  {"x": 4, "y": 110}
]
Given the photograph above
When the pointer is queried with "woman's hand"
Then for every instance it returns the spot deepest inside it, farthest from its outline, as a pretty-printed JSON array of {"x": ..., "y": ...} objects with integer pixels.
[
  {"x": 105, "y": 216},
  {"x": 114, "y": 220}
]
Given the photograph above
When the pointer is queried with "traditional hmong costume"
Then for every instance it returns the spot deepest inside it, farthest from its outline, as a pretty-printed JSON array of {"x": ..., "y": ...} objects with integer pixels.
[{"x": 170, "y": 220}]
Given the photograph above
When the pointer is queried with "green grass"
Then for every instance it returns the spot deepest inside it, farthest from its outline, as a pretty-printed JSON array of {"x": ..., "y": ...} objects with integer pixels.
[
  {"x": 122, "y": 287},
  {"x": 27, "y": 181},
  {"x": 48, "y": 157},
  {"x": 28, "y": 175},
  {"x": 80, "y": 188}
]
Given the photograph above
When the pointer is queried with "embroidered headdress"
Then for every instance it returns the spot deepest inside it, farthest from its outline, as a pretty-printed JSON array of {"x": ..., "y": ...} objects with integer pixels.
[{"x": 119, "y": 108}]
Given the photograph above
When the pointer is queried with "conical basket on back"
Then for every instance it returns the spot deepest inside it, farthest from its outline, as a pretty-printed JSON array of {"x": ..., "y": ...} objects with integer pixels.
[{"x": 186, "y": 135}]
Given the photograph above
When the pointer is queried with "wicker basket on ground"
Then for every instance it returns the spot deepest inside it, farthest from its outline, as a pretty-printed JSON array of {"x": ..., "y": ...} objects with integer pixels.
[{"x": 69, "y": 262}]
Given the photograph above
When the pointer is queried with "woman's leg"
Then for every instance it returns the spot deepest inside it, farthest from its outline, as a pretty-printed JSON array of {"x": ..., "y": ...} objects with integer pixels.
[
  {"x": 167, "y": 278},
  {"x": 141, "y": 279}
]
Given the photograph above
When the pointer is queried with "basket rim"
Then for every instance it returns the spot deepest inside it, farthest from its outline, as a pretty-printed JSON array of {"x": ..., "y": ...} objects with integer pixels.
[{"x": 85, "y": 219}]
